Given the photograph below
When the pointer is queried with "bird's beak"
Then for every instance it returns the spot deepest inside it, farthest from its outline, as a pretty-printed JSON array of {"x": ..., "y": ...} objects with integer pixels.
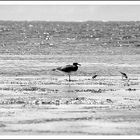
[{"x": 79, "y": 64}]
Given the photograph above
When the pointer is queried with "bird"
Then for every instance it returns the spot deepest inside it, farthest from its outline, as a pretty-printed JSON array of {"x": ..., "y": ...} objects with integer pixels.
[
  {"x": 124, "y": 75},
  {"x": 68, "y": 69},
  {"x": 93, "y": 77}
]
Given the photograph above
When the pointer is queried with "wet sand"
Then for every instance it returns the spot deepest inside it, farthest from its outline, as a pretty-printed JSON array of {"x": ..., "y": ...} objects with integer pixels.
[{"x": 43, "y": 105}]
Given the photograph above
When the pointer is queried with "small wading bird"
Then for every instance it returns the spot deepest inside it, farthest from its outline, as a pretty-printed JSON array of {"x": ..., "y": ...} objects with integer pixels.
[
  {"x": 123, "y": 75},
  {"x": 68, "y": 69},
  {"x": 93, "y": 77}
]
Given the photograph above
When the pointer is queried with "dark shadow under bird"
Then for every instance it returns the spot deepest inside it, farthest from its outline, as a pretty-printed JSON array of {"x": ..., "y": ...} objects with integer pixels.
[
  {"x": 93, "y": 77},
  {"x": 68, "y": 69},
  {"x": 124, "y": 75}
]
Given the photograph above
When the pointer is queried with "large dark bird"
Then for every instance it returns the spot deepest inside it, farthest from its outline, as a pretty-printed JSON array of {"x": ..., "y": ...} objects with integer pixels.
[
  {"x": 68, "y": 69},
  {"x": 93, "y": 77},
  {"x": 123, "y": 75}
]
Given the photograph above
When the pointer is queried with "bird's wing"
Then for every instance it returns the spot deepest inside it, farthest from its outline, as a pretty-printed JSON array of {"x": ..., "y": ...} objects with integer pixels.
[
  {"x": 66, "y": 68},
  {"x": 123, "y": 73},
  {"x": 94, "y": 76}
]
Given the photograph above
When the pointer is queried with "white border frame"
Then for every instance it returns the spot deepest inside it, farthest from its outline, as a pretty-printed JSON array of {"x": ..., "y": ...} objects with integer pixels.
[{"x": 69, "y": 3}]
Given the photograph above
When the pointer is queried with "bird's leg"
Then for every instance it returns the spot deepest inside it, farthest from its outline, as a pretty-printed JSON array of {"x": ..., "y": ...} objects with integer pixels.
[{"x": 69, "y": 78}]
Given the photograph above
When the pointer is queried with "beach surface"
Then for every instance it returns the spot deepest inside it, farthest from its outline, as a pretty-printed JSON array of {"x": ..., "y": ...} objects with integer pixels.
[{"x": 34, "y": 100}]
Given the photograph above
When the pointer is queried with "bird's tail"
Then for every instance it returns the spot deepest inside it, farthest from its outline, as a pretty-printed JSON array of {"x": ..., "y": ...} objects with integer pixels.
[
  {"x": 120, "y": 72},
  {"x": 53, "y": 69}
]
